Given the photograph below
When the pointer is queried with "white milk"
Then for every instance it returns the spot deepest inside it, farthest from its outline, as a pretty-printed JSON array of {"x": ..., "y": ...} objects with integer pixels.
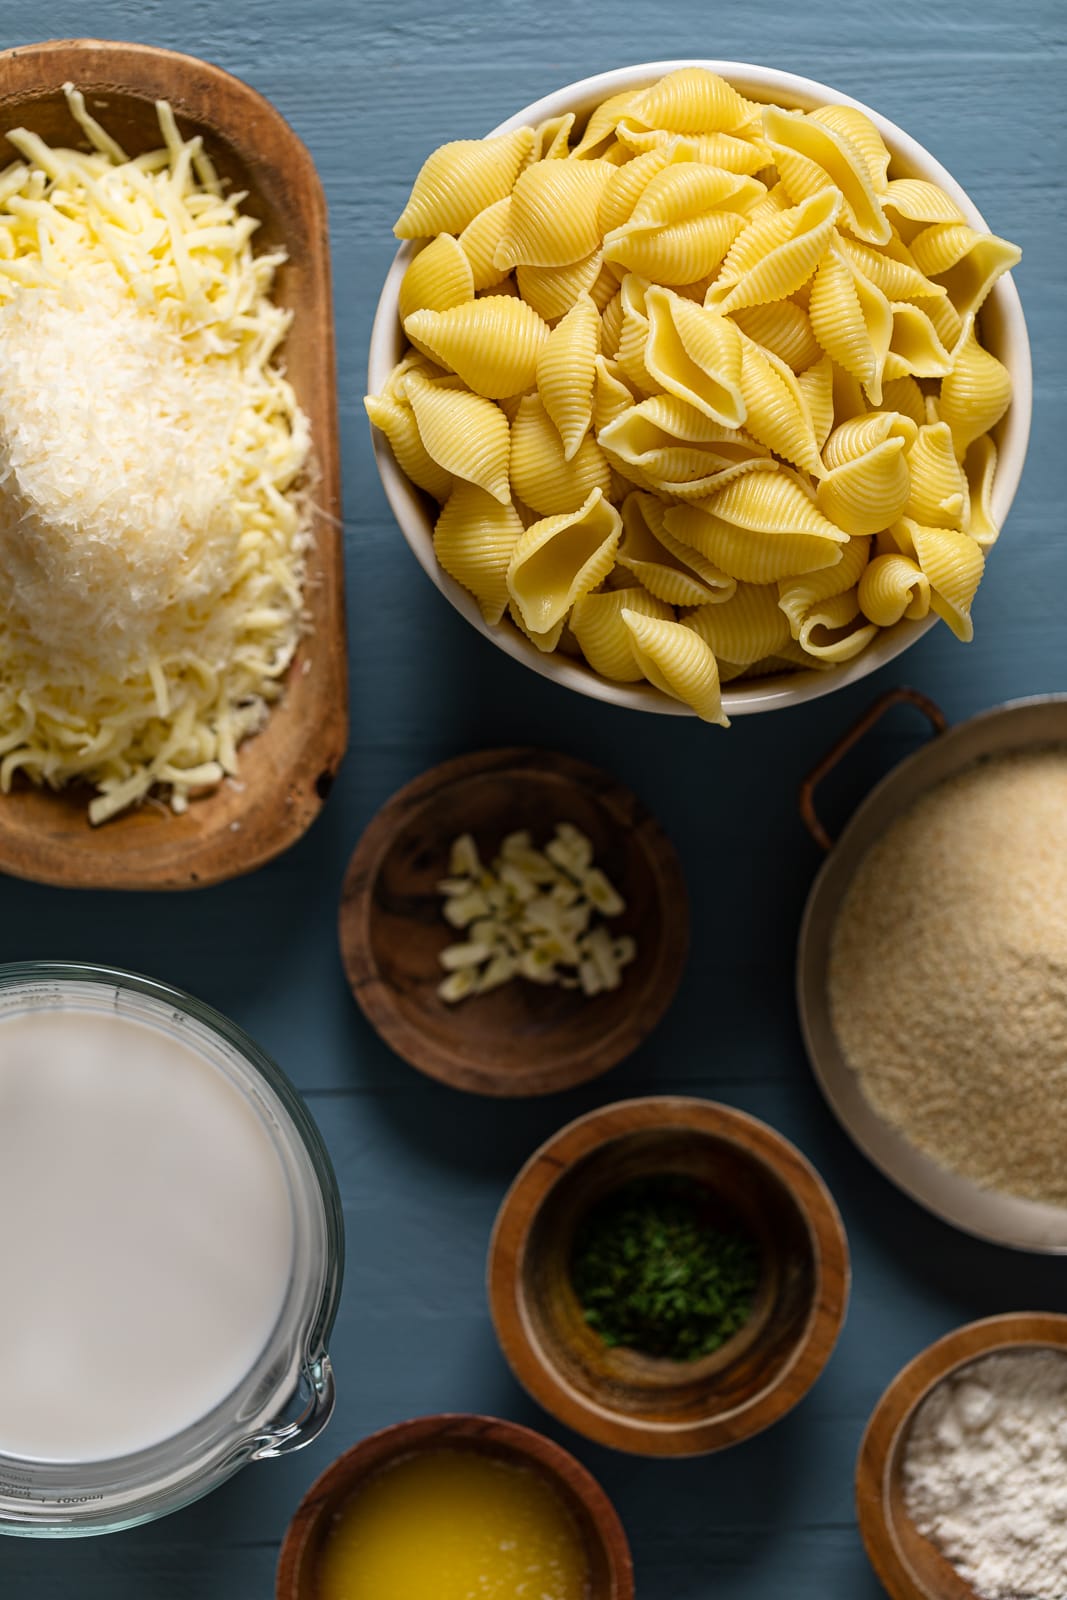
[{"x": 146, "y": 1236}]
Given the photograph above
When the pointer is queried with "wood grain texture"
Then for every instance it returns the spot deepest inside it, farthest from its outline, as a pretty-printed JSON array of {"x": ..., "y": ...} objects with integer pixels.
[
  {"x": 522, "y": 1038},
  {"x": 762, "y": 1186},
  {"x": 607, "y": 1552},
  {"x": 910, "y": 1566},
  {"x": 371, "y": 86},
  {"x": 288, "y": 769}
]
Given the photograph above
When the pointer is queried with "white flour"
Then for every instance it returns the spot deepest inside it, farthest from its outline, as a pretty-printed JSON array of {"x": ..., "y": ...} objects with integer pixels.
[{"x": 985, "y": 1474}]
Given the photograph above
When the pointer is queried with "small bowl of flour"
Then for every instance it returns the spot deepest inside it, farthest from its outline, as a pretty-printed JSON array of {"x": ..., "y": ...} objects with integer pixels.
[{"x": 962, "y": 1477}]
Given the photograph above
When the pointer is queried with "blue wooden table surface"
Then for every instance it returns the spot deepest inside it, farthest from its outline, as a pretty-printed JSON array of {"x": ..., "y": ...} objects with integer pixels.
[{"x": 372, "y": 85}]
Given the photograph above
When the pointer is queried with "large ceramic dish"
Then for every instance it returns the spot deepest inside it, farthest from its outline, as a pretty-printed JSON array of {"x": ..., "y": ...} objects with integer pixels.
[
  {"x": 287, "y": 770},
  {"x": 285, "y": 1400},
  {"x": 1003, "y": 331},
  {"x": 1003, "y": 1218}
]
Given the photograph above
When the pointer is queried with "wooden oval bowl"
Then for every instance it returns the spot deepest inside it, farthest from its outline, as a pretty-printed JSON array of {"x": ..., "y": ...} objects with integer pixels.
[
  {"x": 286, "y": 771},
  {"x": 523, "y": 1038},
  {"x": 909, "y": 1566},
  {"x": 610, "y": 1564},
  {"x": 651, "y": 1407}
]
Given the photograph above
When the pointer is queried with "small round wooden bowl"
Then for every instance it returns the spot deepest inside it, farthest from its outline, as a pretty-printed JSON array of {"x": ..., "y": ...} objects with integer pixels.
[
  {"x": 523, "y": 1038},
  {"x": 610, "y": 1563},
  {"x": 909, "y": 1566},
  {"x": 757, "y": 1182}
]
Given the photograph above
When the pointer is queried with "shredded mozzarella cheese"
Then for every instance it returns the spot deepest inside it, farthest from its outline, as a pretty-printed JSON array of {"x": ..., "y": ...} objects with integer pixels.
[{"x": 154, "y": 508}]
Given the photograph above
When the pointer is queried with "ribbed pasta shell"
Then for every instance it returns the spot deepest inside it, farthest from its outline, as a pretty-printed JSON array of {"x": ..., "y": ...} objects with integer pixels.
[
  {"x": 693, "y": 100},
  {"x": 600, "y": 129},
  {"x": 696, "y": 355},
  {"x": 612, "y": 394},
  {"x": 946, "y": 320},
  {"x": 552, "y": 220},
  {"x": 566, "y": 370},
  {"x": 552, "y": 138},
  {"x": 857, "y": 437},
  {"x": 776, "y": 412},
  {"x": 676, "y": 253},
  {"x": 816, "y": 384},
  {"x": 465, "y": 434},
  {"x": 611, "y": 325},
  {"x": 540, "y": 474},
  {"x": 918, "y": 200},
  {"x": 772, "y": 503},
  {"x": 849, "y": 398},
  {"x": 869, "y": 493},
  {"x": 980, "y": 465},
  {"x": 892, "y": 587},
  {"x": 939, "y": 494},
  {"x": 759, "y": 557},
  {"x": 605, "y": 641},
  {"x": 732, "y": 154},
  {"x": 561, "y": 558},
  {"x": 914, "y": 349},
  {"x": 967, "y": 264},
  {"x": 802, "y": 594},
  {"x": 397, "y": 421},
  {"x": 676, "y": 661},
  {"x": 479, "y": 240},
  {"x": 458, "y": 180},
  {"x": 954, "y": 564},
  {"x": 783, "y": 329},
  {"x": 684, "y": 190},
  {"x": 745, "y": 628},
  {"x": 905, "y": 396},
  {"x": 672, "y": 572},
  {"x": 627, "y": 184},
  {"x": 633, "y": 334},
  {"x": 975, "y": 394},
  {"x": 473, "y": 540},
  {"x": 776, "y": 255},
  {"x": 492, "y": 343},
  {"x": 546, "y": 642},
  {"x": 439, "y": 277},
  {"x": 852, "y": 320},
  {"x": 552, "y": 291},
  {"x": 826, "y": 156},
  {"x": 898, "y": 279},
  {"x": 861, "y": 132},
  {"x": 835, "y": 631}
]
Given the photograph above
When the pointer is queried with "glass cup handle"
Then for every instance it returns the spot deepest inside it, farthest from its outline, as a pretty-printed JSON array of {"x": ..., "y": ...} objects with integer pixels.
[{"x": 303, "y": 1430}]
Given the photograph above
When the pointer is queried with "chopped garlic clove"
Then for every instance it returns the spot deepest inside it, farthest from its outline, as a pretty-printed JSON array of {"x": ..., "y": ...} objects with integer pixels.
[
  {"x": 457, "y": 986},
  {"x": 464, "y": 955}
]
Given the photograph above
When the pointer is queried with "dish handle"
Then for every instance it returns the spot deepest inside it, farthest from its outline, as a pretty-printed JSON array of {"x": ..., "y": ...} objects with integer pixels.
[
  {"x": 285, "y": 1438},
  {"x": 873, "y": 714}
]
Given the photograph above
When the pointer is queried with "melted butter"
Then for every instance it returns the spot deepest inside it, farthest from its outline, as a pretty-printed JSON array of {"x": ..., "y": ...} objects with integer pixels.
[{"x": 454, "y": 1525}]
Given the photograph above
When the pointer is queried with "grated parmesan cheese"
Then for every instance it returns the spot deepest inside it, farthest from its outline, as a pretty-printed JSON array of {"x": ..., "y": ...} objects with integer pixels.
[{"x": 154, "y": 519}]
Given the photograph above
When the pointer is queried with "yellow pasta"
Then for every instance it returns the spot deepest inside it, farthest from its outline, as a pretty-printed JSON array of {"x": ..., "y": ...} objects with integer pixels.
[{"x": 699, "y": 385}]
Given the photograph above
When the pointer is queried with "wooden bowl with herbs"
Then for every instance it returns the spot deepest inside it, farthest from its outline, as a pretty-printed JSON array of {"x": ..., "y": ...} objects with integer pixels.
[
  {"x": 668, "y": 1276},
  {"x": 535, "y": 848},
  {"x": 959, "y": 1480},
  {"x": 426, "y": 1476}
]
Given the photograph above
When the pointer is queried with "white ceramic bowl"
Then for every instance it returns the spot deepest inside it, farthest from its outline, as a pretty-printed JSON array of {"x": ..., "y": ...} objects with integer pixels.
[{"x": 1003, "y": 332}]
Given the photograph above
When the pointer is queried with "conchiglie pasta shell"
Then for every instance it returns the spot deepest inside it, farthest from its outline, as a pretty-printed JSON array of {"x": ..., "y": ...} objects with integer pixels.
[
  {"x": 552, "y": 291},
  {"x": 552, "y": 220},
  {"x": 566, "y": 370},
  {"x": 612, "y": 394},
  {"x": 834, "y": 632},
  {"x": 465, "y": 434},
  {"x": 939, "y": 496},
  {"x": 861, "y": 132},
  {"x": 626, "y": 185},
  {"x": 692, "y": 100},
  {"x": 915, "y": 350},
  {"x": 776, "y": 412},
  {"x": 892, "y": 587},
  {"x": 816, "y": 384},
  {"x": 552, "y": 139},
  {"x": 801, "y": 595},
  {"x": 954, "y": 564},
  {"x": 676, "y": 661},
  {"x": 547, "y": 642},
  {"x": 663, "y": 443},
  {"x": 604, "y": 638},
  {"x": 759, "y": 557},
  {"x": 832, "y": 158},
  {"x": 479, "y": 240},
  {"x": 917, "y": 200},
  {"x": 861, "y": 434},
  {"x": 674, "y": 254},
  {"x": 493, "y": 343},
  {"x": 967, "y": 264},
  {"x": 744, "y": 629},
  {"x": 849, "y": 398},
  {"x": 611, "y": 325},
  {"x": 540, "y": 474},
  {"x": 975, "y": 394},
  {"x": 773, "y": 257},
  {"x": 684, "y": 190},
  {"x": 674, "y": 573},
  {"x": 904, "y": 396},
  {"x": 772, "y": 503},
  {"x": 980, "y": 465},
  {"x": 473, "y": 541},
  {"x": 459, "y": 180},
  {"x": 439, "y": 277},
  {"x": 867, "y": 494},
  {"x": 561, "y": 558},
  {"x": 783, "y": 329},
  {"x": 633, "y": 335},
  {"x": 397, "y": 422},
  {"x": 600, "y": 129},
  {"x": 898, "y": 279},
  {"x": 852, "y": 320},
  {"x": 695, "y": 354}
]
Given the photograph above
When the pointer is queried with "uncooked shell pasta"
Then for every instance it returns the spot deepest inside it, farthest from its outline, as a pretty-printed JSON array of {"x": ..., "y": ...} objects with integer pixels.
[{"x": 699, "y": 386}]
